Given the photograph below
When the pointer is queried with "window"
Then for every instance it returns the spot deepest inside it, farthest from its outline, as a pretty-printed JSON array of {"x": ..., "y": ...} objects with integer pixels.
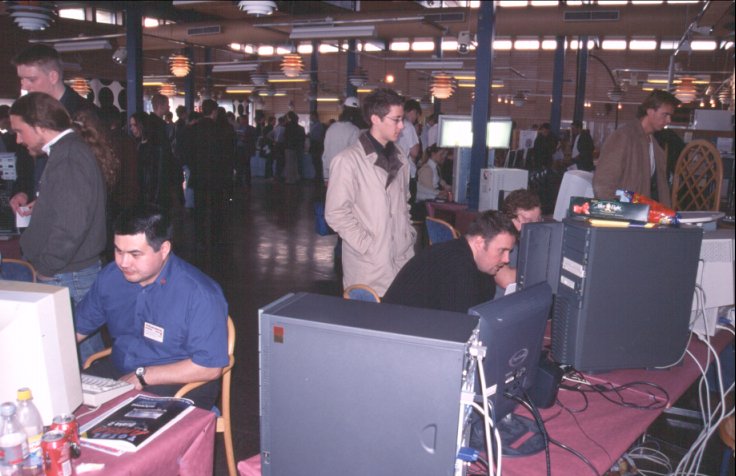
[
  {"x": 72, "y": 13},
  {"x": 613, "y": 44},
  {"x": 399, "y": 45},
  {"x": 703, "y": 45},
  {"x": 105, "y": 16},
  {"x": 526, "y": 44},
  {"x": 643, "y": 44},
  {"x": 422, "y": 45},
  {"x": 501, "y": 44}
]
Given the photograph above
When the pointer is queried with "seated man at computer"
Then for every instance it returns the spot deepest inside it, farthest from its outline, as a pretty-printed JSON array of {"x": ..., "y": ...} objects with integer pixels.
[
  {"x": 521, "y": 206},
  {"x": 167, "y": 319},
  {"x": 456, "y": 275}
]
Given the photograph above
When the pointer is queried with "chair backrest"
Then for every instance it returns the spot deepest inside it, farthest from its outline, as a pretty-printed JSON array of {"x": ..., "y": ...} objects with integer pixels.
[
  {"x": 575, "y": 183},
  {"x": 17, "y": 270},
  {"x": 439, "y": 230},
  {"x": 698, "y": 177},
  {"x": 361, "y": 292}
]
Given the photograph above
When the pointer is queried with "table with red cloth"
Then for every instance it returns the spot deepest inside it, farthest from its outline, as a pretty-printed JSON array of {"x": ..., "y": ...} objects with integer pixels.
[
  {"x": 10, "y": 246},
  {"x": 603, "y": 431},
  {"x": 186, "y": 448},
  {"x": 444, "y": 210}
]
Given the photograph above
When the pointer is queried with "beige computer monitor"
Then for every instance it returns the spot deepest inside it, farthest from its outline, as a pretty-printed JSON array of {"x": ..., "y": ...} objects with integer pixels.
[{"x": 38, "y": 347}]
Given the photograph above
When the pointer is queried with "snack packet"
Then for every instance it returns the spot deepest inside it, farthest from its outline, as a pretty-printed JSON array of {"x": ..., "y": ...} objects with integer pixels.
[{"x": 658, "y": 213}]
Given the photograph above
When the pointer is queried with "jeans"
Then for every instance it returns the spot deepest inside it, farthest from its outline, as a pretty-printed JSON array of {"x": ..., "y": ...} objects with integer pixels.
[{"x": 79, "y": 283}]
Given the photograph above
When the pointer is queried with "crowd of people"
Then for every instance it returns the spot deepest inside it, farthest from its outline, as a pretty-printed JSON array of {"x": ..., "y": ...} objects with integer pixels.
[{"x": 94, "y": 187}]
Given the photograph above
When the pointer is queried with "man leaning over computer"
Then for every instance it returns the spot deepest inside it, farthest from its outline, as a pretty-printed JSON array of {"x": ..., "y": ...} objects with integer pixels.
[{"x": 167, "y": 319}]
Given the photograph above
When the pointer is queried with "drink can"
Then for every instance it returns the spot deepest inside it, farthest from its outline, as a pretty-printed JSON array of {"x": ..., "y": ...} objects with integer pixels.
[
  {"x": 67, "y": 424},
  {"x": 56, "y": 455}
]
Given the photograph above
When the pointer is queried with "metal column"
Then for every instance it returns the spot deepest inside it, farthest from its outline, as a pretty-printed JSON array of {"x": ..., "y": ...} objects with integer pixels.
[
  {"x": 481, "y": 106},
  {"x": 581, "y": 75},
  {"x": 134, "y": 67},
  {"x": 351, "y": 90},
  {"x": 189, "y": 81},
  {"x": 313, "y": 77},
  {"x": 558, "y": 77}
]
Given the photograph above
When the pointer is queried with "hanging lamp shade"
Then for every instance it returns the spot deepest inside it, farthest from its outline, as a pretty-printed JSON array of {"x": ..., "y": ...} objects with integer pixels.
[
  {"x": 80, "y": 86},
  {"x": 179, "y": 65},
  {"x": 358, "y": 78},
  {"x": 258, "y": 79},
  {"x": 168, "y": 89},
  {"x": 443, "y": 85},
  {"x": 292, "y": 65},
  {"x": 32, "y": 16},
  {"x": 257, "y": 8},
  {"x": 686, "y": 91},
  {"x": 616, "y": 94}
]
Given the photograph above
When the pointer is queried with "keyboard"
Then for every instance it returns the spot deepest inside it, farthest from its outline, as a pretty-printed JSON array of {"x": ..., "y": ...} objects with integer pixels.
[{"x": 98, "y": 390}]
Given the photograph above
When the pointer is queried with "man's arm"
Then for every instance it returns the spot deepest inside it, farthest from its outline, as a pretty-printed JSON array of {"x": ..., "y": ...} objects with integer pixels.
[
  {"x": 340, "y": 201},
  {"x": 610, "y": 166},
  {"x": 181, "y": 372},
  {"x": 505, "y": 276}
]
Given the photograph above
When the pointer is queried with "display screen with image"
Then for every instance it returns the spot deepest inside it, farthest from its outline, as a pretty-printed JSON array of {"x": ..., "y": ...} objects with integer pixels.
[{"x": 457, "y": 131}]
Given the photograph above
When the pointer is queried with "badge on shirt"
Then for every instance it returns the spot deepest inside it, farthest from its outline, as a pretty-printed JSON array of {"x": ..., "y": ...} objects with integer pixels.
[{"x": 153, "y": 332}]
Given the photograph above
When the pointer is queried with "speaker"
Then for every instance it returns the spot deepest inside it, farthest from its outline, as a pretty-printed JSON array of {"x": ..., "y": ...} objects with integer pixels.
[{"x": 352, "y": 387}]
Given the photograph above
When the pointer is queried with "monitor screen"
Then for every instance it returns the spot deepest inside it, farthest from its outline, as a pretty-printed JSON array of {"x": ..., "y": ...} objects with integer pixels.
[
  {"x": 38, "y": 347},
  {"x": 457, "y": 131}
]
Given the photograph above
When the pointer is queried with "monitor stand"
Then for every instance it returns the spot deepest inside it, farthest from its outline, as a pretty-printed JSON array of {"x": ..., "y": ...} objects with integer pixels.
[{"x": 512, "y": 427}]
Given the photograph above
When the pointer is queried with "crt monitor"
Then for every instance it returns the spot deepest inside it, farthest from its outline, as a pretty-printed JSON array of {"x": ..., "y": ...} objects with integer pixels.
[
  {"x": 38, "y": 347},
  {"x": 457, "y": 131},
  {"x": 512, "y": 330}
]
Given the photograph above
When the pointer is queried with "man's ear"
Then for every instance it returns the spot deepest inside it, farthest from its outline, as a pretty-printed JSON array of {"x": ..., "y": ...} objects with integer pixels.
[
  {"x": 54, "y": 76},
  {"x": 166, "y": 248}
]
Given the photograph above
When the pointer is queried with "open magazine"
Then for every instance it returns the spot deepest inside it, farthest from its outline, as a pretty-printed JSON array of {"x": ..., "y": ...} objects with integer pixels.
[{"x": 135, "y": 422}]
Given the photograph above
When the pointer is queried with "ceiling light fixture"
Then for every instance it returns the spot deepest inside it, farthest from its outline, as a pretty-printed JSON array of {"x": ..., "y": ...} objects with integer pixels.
[
  {"x": 358, "y": 78},
  {"x": 179, "y": 65},
  {"x": 616, "y": 94},
  {"x": 234, "y": 67},
  {"x": 239, "y": 89},
  {"x": 292, "y": 65},
  {"x": 168, "y": 89},
  {"x": 80, "y": 85},
  {"x": 331, "y": 32},
  {"x": 32, "y": 16},
  {"x": 84, "y": 45},
  {"x": 258, "y": 79},
  {"x": 442, "y": 65},
  {"x": 257, "y": 8},
  {"x": 686, "y": 91},
  {"x": 443, "y": 86}
]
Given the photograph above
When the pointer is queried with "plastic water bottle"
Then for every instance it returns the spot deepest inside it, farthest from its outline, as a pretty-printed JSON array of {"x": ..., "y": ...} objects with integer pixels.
[
  {"x": 13, "y": 441},
  {"x": 31, "y": 422}
]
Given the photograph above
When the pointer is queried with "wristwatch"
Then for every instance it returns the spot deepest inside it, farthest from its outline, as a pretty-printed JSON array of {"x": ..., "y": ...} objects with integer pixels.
[{"x": 140, "y": 372}]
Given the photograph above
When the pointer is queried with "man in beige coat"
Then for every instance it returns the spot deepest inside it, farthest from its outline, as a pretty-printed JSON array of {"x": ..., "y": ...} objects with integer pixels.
[
  {"x": 367, "y": 198},
  {"x": 631, "y": 159}
]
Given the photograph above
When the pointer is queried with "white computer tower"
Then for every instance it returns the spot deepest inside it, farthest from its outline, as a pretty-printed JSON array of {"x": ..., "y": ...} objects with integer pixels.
[{"x": 496, "y": 183}]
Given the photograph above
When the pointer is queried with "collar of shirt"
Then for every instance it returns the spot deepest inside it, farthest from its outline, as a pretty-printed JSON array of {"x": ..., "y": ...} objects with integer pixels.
[
  {"x": 386, "y": 156},
  {"x": 47, "y": 148}
]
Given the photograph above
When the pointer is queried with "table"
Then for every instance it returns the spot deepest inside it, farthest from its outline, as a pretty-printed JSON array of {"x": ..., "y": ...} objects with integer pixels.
[
  {"x": 185, "y": 449},
  {"x": 444, "y": 210},
  {"x": 10, "y": 247},
  {"x": 603, "y": 431}
]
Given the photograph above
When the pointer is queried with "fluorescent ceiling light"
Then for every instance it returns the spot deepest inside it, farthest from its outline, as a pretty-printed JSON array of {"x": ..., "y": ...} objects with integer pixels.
[
  {"x": 239, "y": 89},
  {"x": 436, "y": 65},
  {"x": 703, "y": 45},
  {"x": 323, "y": 32},
  {"x": 283, "y": 79},
  {"x": 327, "y": 99},
  {"x": 225, "y": 68},
  {"x": 85, "y": 45}
]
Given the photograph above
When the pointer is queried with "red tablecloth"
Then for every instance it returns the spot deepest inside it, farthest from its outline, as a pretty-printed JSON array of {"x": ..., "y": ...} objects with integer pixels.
[
  {"x": 185, "y": 449},
  {"x": 603, "y": 431}
]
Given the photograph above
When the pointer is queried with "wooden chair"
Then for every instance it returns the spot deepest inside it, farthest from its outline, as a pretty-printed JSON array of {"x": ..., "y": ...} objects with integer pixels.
[
  {"x": 18, "y": 270},
  {"x": 361, "y": 292},
  {"x": 439, "y": 230},
  {"x": 223, "y": 421},
  {"x": 698, "y": 177}
]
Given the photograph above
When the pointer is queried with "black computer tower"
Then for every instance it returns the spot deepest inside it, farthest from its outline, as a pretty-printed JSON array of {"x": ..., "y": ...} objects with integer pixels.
[
  {"x": 350, "y": 387},
  {"x": 624, "y": 296}
]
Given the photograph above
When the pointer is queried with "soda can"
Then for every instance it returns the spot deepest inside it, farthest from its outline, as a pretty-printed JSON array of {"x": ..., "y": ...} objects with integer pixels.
[
  {"x": 56, "y": 458},
  {"x": 67, "y": 424}
]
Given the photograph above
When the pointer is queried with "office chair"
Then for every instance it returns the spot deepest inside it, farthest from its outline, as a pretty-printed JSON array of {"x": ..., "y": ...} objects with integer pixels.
[
  {"x": 698, "y": 176},
  {"x": 223, "y": 421},
  {"x": 439, "y": 230},
  {"x": 361, "y": 292},
  {"x": 17, "y": 270}
]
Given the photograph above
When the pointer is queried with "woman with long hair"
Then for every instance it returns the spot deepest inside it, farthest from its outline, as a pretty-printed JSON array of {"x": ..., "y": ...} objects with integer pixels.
[{"x": 151, "y": 183}]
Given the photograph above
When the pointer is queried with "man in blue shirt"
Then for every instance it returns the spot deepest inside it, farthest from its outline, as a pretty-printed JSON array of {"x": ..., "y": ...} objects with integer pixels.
[{"x": 167, "y": 319}]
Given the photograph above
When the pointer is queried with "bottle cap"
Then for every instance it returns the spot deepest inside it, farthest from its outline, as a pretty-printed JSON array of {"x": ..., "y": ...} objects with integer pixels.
[
  {"x": 24, "y": 394},
  {"x": 7, "y": 409}
]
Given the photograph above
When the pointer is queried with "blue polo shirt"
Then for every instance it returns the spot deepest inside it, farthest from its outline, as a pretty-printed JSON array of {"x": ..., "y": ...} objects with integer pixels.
[{"x": 182, "y": 315}]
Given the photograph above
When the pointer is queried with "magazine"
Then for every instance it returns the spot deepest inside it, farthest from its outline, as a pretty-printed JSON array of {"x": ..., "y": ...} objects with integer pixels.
[{"x": 135, "y": 422}]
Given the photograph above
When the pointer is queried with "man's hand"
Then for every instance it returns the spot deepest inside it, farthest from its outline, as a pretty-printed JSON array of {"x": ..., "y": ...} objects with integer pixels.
[
  {"x": 19, "y": 200},
  {"x": 132, "y": 379}
]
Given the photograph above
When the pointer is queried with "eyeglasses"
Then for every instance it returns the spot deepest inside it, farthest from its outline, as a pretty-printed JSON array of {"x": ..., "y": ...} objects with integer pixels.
[{"x": 395, "y": 119}]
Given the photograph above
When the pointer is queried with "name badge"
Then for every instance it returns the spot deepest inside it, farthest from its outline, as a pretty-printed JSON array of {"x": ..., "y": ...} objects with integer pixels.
[{"x": 153, "y": 332}]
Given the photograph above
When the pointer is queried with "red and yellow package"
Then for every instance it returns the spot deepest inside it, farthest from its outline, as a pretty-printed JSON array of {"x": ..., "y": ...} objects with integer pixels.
[{"x": 658, "y": 213}]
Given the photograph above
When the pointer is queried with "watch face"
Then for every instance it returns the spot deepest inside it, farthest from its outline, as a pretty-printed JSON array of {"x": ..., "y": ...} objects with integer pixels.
[{"x": 140, "y": 371}]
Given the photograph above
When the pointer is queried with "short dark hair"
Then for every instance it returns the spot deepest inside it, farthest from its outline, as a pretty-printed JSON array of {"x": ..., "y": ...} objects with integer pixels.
[
  {"x": 180, "y": 111},
  {"x": 577, "y": 124},
  {"x": 379, "y": 102},
  {"x": 159, "y": 99},
  {"x": 44, "y": 56},
  {"x": 41, "y": 110},
  {"x": 521, "y": 199},
  {"x": 490, "y": 223},
  {"x": 412, "y": 105},
  {"x": 655, "y": 100},
  {"x": 148, "y": 219},
  {"x": 208, "y": 106}
]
